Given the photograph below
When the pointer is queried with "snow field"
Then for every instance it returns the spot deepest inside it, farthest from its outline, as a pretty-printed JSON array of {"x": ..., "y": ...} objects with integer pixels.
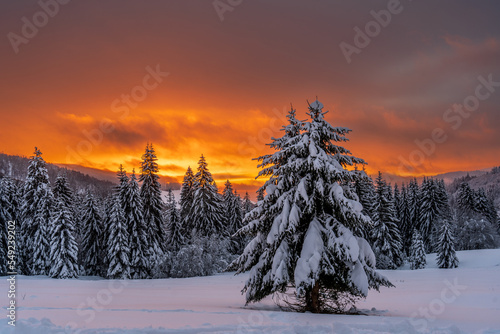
[{"x": 431, "y": 300}]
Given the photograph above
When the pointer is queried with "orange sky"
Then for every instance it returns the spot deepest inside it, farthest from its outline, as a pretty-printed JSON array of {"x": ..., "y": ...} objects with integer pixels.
[{"x": 230, "y": 83}]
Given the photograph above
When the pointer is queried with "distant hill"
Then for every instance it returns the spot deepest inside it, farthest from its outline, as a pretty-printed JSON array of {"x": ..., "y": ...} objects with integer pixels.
[
  {"x": 16, "y": 168},
  {"x": 110, "y": 176},
  {"x": 447, "y": 177},
  {"x": 489, "y": 181}
]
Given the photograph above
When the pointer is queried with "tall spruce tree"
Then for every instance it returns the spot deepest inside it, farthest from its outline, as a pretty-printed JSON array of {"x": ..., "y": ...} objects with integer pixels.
[
  {"x": 62, "y": 191},
  {"x": 417, "y": 251},
  {"x": 303, "y": 229},
  {"x": 118, "y": 250},
  {"x": 466, "y": 200},
  {"x": 92, "y": 243},
  {"x": 5, "y": 217},
  {"x": 385, "y": 234},
  {"x": 446, "y": 256},
  {"x": 187, "y": 195},
  {"x": 64, "y": 250},
  {"x": 430, "y": 211},
  {"x": 405, "y": 224},
  {"x": 232, "y": 216},
  {"x": 206, "y": 216},
  {"x": 366, "y": 194},
  {"x": 247, "y": 204},
  {"x": 152, "y": 204},
  {"x": 41, "y": 238},
  {"x": 260, "y": 194},
  {"x": 36, "y": 188},
  {"x": 175, "y": 228},
  {"x": 138, "y": 239}
]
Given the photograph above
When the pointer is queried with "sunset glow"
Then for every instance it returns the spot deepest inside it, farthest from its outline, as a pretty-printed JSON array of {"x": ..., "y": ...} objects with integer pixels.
[{"x": 102, "y": 79}]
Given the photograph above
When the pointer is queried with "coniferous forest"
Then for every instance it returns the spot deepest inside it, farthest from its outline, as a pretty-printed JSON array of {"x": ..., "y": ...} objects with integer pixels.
[{"x": 314, "y": 238}]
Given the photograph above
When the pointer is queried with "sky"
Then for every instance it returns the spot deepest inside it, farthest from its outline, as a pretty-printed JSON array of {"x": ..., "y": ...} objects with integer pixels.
[{"x": 92, "y": 82}]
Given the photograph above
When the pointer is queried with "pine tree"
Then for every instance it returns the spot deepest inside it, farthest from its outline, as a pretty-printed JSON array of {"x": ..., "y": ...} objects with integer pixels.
[
  {"x": 485, "y": 206},
  {"x": 385, "y": 233},
  {"x": 432, "y": 209},
  {"x": 64, "y": 250},
  {"x": 62, "y": 191},
  {"x": 247, "y": 204},
  {"x": 36, "y": 187},
  {"x": 466, "y": 200},
  {"x": 40, "y": 263},
  {"x": 152, "y": 204},
  {"x": 366, "y": 194},
  {"x": 405, "y": 224},
  {"x": 413, "y": 202},
  {"x": 232, "y": 216},
  {"x": 138, "y": 240},
  {"x": 446, "y": 256},
  {"x": 187, "y": 195},
  {"x": 206, "y": 216},
  {"x": 303, "y": 229},
  {"x": 5, "y": 217},
  {"x": 91, "y": 242},
  {"x": 397, "y": 203},
  {"x": 118, "y": 250},
  {"x": 175, "y": 235},
  {"x": 260, "y": 194},
  {"x": 417, "y": 251}
]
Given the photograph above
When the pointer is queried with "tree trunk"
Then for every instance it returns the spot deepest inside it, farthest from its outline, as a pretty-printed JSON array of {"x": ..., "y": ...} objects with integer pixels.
[{"x": 312, "y": 299}]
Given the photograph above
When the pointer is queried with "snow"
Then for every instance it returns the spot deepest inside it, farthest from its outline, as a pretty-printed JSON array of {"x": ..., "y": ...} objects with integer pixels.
[
  {"x": 307, "y": 269},
  {"x": 430, "y": 300}
]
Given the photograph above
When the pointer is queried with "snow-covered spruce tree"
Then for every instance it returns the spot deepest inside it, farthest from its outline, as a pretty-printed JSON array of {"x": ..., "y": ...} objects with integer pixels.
[
  {"x": 118, "y": 250},
  {"x": 466, "y": 200},
  {"x": 475, "y": 232},
  {"x": 430, "y": 211},
  {"x": 485, "y": 206},
  {"x": 152, "y": 205},
  {"x": 63, "y": 247},
  {"x": 92, "y": 243},
  {"x": 405, "y": 224},
  {"x": 413, "y": 202},
  {"x": 36, "y": 187},
  {"x": 385, "y": 234},
  {"x": 5, "y": 217},
  {"x": 175, "y": 229},
  {"x": 62, "y": 191},
  {"x": 138, "y": 239},
  {"x": 187, "y": 194},
  {"x": 206, "y": 216},
  {"x": 303, "y": 229},
  {"x": 260, "y": 194},
  {"x": 122, "y": 188},
  {"x": 247, "y": 204},
  {"x": 397, "y": 203},
  {"x": 40, "y": 264},
  {"x": 417, "y": 251},
  {"x": 233, "y": 216},
  {"x": 446, "y": 256},
  {"x": 366, "y": 194}
]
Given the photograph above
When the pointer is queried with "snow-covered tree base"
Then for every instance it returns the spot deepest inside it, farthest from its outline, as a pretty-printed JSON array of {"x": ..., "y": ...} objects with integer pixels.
[{"x": 329, "y": 301}]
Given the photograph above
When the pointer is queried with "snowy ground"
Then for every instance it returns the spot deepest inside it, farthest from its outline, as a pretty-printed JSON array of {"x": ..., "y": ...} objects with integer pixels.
[{"x": 463, "y": 300}]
